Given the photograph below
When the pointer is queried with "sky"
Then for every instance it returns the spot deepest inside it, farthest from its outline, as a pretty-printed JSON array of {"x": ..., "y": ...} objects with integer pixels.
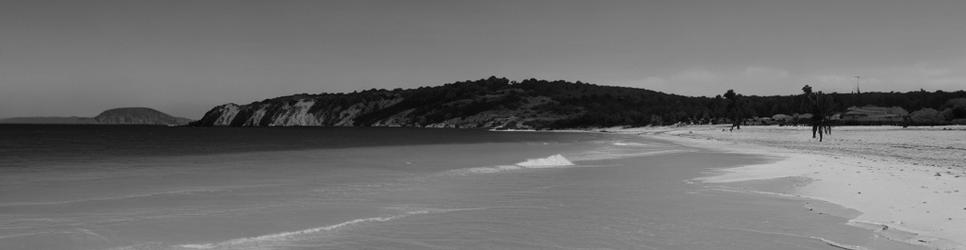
[{"x": 78, "y": 58}]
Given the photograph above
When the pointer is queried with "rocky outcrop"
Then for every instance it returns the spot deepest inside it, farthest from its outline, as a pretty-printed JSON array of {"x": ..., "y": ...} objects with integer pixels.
[{"x": 305, "y": 111}]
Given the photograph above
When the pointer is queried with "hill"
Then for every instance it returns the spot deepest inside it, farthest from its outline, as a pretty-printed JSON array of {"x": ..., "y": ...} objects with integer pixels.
[
  {"x": 529, "y": 104},
  {"x": 118, "y": 116},
  {"x": 138, "y": 116}
]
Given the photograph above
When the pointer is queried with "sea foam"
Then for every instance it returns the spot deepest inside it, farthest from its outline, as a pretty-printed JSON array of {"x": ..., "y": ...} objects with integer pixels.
[
  {"x": 286, "y": 235},
  {"x": 552, "y": 161},
  {"x": 629, "y": 144},
  {"x": 257, "y": 241},
  {"x": 556, "y": 160}
]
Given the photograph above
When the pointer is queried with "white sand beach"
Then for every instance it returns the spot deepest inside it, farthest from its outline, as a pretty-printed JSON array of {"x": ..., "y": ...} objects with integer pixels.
[{"x": 908, "y": 183}]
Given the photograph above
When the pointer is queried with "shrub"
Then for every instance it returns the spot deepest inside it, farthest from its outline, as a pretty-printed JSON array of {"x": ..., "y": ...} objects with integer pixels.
[{"x": 926, "y": 116}]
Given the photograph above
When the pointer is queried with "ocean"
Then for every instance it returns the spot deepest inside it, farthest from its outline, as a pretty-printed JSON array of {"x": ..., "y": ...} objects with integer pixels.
[{"x": 144, "y": 187}]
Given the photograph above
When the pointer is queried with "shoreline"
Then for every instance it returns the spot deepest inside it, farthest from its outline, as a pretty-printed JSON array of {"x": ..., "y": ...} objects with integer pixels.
[{"x": 898, "y": 199}]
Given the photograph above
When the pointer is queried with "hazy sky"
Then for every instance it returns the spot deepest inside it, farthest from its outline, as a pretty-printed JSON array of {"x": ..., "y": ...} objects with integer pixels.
[{"x": 77, "y": 57}]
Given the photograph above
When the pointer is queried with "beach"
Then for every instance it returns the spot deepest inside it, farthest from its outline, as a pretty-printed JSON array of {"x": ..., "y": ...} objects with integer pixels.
[
  {"x": 331, "y": 188},
  {"x": 907, "y": 184}
]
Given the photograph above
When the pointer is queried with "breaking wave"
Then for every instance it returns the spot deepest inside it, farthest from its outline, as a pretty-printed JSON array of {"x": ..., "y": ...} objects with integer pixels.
[
  {"x": 828, "y": 242},
  {"x": 257, "y": 241},
  {"x": 559, "y": 161},
  {"x": 553, "y": 161},
  {"x": 629, "y": 144},
  {"x": 837, "y": 244},
  {"x": 556, "y": 160},
  {"x": 611, "y": 154}
]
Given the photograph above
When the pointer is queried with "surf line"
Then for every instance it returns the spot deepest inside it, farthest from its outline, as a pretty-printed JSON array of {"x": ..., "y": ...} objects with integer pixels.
[{"x": 290, "y": 235}]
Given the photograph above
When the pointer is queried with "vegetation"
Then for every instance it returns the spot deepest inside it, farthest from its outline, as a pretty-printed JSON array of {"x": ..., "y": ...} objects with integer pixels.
[{"x": 562, "y": 104}]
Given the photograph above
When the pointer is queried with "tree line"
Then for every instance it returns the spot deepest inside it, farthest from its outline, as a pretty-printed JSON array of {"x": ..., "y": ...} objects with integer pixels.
[{"x": 580, "y": 105}]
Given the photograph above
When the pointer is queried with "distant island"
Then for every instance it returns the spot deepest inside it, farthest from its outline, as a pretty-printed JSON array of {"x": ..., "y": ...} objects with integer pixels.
[
  {"x": 117, "y": 116},
  {"x": 498, "y": 103}
]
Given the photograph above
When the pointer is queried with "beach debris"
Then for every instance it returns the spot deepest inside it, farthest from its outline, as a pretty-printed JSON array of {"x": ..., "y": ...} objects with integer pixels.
[{"x": 937, "y": 174}]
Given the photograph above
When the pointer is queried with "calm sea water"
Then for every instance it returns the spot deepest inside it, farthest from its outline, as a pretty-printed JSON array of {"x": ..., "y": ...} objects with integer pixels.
[{"x": 116, "y": 187}]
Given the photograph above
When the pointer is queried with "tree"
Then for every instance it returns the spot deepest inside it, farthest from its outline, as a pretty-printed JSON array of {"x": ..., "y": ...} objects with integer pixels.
[
  {"x": 957, "y": 108},
  {"x": 925, "y": 116},
  {"x": 818, "y": 104},
  {"x": 734, "y": 109}
]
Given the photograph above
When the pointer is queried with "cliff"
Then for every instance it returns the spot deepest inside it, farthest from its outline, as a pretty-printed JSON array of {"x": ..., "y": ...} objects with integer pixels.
[{"x": 486, "y": 103}]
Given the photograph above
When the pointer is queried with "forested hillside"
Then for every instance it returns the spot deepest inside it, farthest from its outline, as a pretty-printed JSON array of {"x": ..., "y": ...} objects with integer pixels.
[{"x": 501, "y": 103}]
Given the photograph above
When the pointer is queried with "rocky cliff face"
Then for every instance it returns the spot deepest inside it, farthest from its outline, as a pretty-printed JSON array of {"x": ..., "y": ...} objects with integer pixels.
[
  {"x": 307, "y": 112},
  {"x": 385, "y": 109},
  {"x": 138, "y": 116},
  {"x": 486, "y": 103}
]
